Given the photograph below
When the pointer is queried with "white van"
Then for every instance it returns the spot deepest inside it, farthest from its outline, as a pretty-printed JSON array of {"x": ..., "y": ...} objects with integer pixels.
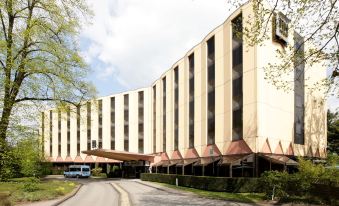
[{"x": 78, "y": 171}]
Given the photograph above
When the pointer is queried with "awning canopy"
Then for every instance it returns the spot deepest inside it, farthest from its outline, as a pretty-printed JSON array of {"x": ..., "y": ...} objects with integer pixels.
[
  {"x": 204, "y": 161},
  {"x": 119, "y": 155},
  {"x": 168, "y": 163},
  {"x": 162, "y": 163},
  {"x": 187, "y": 162},
  {"x": 235, "y": 159},
  {"x": 280, "y": 159}
]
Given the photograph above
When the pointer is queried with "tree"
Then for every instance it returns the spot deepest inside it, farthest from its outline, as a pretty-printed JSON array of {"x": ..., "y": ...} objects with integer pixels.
[
  {"x": 23, "y": 156},
  {"x": 39, "y": 56},
  {"x": 317, "y": 22},
  {"x": 333, "y": 132}
]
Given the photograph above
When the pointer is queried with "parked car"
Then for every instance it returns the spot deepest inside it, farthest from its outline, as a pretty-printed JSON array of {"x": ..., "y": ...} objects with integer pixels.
[{"x": 78, "y": 171}]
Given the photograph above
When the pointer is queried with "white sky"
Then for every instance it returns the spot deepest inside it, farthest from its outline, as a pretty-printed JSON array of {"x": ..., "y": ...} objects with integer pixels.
[{"x": 130, "y": 43}]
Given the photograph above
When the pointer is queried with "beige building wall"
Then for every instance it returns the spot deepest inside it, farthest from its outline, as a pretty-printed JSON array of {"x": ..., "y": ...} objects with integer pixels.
[{"x": 268, "y": 112}]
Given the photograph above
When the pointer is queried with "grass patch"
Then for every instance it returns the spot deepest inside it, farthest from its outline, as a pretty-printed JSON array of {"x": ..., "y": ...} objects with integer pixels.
[
  {"x": 38, "y": 190},
  {"x": 238, "y": 197}
]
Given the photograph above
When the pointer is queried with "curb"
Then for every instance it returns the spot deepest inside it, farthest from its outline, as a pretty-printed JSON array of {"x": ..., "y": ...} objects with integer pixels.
[
  {"x": 74, "y": 192},
  {"x": 124, "y": 196}
]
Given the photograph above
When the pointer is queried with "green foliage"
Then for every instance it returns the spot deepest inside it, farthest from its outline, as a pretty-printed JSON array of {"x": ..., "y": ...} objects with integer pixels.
[
  {"x": 30, "y": 187},
  {"x": 115, "y": 168},
  {"x": 39, "y": 61},
  {"x": 24, "y": 158},
  {"x": 96, "y": 171},
  {"x": 318, "y": 45},
  {"x": 333, "y": 132},
  {"x": 332, "y": 159},
  {"x": 205, "y": 183},
  {"x": 274, "y": 183},
  {"x": 302, "y": 183},
  {"x": 49, "y": 189}
]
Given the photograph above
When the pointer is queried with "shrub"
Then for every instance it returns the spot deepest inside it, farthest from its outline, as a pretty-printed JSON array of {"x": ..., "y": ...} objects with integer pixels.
[
  {"x": 31, "y": 185},
  {"x": 274, "y": 184},
  {"x": 206, "y": 183},
  {"x": 96, "y": 171}
]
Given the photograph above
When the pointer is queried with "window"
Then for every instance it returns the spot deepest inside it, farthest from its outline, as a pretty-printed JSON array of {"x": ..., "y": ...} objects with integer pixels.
[
  {"x": 112, "y": 123},
  {"x": 164, "y": 114},
  {"x": 43, "y": 132},
  {"x": 50, "y": 132},
  {"x": 237, "y": 70},
  {"x": 211, "y": 91},
  {"x": 68, "y": 132},
  {"x": 154, "y": 119},
  {"x": 176, "y": 109},
  {"x": 88, "y": 125},
  {"x": 126, "y": 123},
  {"x": 59, "y": 133},
  {"x": 100, "y": 123},
  {"x": 141, "y": 122},
  {"x": 299, "y": 90},
  {"x": 191, "y": 100},
  {"x": 78, "y": 130}
]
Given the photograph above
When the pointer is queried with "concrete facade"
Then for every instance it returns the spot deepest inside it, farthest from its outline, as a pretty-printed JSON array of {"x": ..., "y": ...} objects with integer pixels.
[{"x": 268, "y": 112}]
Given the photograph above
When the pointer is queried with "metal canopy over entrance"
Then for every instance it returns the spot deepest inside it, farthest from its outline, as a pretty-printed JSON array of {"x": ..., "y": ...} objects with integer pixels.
[{"x": 119, "y": 155}]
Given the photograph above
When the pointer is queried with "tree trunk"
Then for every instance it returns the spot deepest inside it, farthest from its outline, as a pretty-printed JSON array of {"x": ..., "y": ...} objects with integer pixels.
[{"x": 4, "y": 122}]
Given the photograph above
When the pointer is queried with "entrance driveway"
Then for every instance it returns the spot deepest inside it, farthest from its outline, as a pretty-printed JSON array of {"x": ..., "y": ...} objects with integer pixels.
[
  {"x": 145, "y": 193},
  {"x": 100, "y": 192}
]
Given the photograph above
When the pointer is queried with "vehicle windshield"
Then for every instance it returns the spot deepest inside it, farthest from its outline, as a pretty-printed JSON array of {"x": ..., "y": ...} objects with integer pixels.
[{"x": 85, "y": 169}]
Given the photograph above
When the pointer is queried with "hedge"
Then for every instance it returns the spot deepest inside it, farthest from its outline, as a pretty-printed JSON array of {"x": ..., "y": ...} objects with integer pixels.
[{"x": 226, "y": 184}]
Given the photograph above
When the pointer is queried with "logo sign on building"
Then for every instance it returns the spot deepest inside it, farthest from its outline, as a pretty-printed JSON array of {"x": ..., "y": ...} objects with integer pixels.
[{"x": 280, "y": 28}]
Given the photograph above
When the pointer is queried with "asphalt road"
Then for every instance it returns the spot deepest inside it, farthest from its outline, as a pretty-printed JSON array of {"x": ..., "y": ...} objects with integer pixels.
[
  {"x": 100, "y": 192},
  {"x": 94, "y": 193},
  {"x": 149, "y": 195}
]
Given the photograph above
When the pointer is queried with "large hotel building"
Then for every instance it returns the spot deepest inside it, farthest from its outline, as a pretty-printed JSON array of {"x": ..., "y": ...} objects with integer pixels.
[{"x": 212, "y": 113}]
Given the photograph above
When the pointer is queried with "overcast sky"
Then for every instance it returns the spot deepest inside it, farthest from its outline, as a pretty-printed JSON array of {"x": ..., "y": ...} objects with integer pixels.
[{"x": 130, "y": 43}]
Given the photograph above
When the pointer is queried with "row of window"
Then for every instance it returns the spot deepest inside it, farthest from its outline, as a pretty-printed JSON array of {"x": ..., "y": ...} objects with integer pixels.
[
  {"x": 237, "y": 92},
  {"x": 237, "y": 71},
  {"x": 237, "y": 102},
  {"x": 93, "y": 144}
]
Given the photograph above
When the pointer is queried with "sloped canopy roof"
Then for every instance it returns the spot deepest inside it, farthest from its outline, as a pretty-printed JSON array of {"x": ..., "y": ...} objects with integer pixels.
[
  {"x": 280, "y": 159},
  {"x": 119, "y": 155}
]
